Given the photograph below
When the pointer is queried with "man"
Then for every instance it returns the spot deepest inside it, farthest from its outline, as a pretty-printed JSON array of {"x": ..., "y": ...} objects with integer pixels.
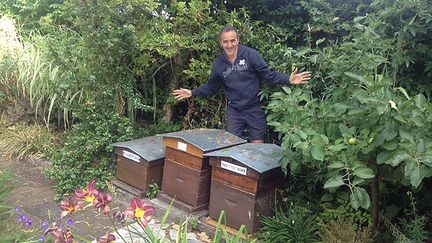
[{"x": 239, "y": 70}]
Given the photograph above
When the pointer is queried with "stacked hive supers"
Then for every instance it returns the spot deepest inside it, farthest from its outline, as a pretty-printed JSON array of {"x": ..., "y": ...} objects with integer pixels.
[{"x": 187, "y": 172}]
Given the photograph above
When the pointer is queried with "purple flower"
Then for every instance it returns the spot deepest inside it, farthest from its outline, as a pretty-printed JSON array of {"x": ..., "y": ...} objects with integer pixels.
[
  {"x": 17, "y": 209},
  {"x": 70, "y": 222},
  {"x": 28, "y": 223},
  {"x": 44, "y": 225}
]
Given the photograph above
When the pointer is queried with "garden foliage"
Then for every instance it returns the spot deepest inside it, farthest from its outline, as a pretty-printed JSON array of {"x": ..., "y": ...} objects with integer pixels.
[{"x": 359, "y": 132}]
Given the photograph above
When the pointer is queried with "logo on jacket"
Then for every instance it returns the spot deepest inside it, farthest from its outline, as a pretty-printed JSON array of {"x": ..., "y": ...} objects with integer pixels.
[{"x": 242, "y": 62}]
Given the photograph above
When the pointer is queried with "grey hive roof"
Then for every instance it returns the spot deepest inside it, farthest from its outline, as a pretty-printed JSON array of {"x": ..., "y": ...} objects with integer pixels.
[
  {"x": 206, "y": 139},
  {"x": 259, "y": 157},
  {"x": 149, "y": 148}
]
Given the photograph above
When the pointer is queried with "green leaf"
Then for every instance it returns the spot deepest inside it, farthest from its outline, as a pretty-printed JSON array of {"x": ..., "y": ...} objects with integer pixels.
[
  {"x": 357, "y": 180},
  {"x": 326, "y": 198},
  {"x": 415, "y": 176},
  {"x": 319, "y": 41},
  {"x": 393, "y": 158},
  {"x": 334, "y": 182},
  {"x": 364, "y": 172},
  {"x": 389, "y": 132},
  {"x": 420, "y": 100},
  {"x": 357, "y": 77},
  {"x": 339, "y": 147},
  {"x": 421, "y": 147},
  {"x": 317, "y": 152},
  {"x": 336, "y": 165},
  {"x": 418, "y": 120},
  {"x": 403, "y": 91},
  {"x": 359, "y": 198},
  {"x": 407, "y": 135},
  {"x": 286, "y": 89}
]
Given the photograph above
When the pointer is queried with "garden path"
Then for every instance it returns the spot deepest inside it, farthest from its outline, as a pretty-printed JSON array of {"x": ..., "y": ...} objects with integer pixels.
[{"x": 33, "y": 194}]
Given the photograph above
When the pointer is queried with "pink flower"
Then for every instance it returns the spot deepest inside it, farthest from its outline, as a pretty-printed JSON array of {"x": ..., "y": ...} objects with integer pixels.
[
  {"x": 108, "y": 238},
  {"x": 69, "y": 206},
  {"x": 101, "y": 201},
  {"x": 139, "y": 210}
]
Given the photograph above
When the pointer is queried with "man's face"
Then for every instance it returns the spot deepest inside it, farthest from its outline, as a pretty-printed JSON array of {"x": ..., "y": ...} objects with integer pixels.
[{"x": 229, "y": 42}]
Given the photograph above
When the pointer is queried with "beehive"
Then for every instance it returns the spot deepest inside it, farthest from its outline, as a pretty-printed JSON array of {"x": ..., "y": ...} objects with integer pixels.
[
  {"x": 140, "y": 163},
  {"x": 243, "y": 183},
  {"x": 187, "y": 173}
]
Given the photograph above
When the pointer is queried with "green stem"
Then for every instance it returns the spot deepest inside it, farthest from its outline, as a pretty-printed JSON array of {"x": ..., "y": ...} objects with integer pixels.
[{"x": 115, "y": 228}]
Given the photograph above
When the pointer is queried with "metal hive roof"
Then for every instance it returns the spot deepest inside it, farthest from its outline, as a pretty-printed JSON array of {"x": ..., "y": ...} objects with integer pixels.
[
  {"x": 206, "y": 139},
  {"x": 260, "y": 157},
  {"x": 149, "y": 148}
]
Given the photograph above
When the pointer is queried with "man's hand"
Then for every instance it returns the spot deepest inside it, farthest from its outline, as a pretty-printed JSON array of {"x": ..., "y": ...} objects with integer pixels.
[
  {"x": 299, "y": 78},
  {"x": 181, "y": 93}
]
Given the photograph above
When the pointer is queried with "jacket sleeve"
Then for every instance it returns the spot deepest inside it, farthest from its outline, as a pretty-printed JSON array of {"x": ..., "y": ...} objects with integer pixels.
[
  {"x": 266, "y": 73},
  {"x": 209, "y": 88}
]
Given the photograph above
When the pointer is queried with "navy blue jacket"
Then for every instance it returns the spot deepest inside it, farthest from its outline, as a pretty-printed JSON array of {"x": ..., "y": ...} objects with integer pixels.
[{"x": 241, "y": 80}]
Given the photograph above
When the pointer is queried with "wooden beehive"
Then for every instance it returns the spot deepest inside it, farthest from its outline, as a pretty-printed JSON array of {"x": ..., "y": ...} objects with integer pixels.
[
  {"x": 187, "y": 172},
  {"x": 243, "y": 183},
  {"x": 140, "y": 163}
]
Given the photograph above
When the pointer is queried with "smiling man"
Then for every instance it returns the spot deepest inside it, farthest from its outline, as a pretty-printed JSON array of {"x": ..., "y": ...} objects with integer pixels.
[{"x": 239, "y": 70}]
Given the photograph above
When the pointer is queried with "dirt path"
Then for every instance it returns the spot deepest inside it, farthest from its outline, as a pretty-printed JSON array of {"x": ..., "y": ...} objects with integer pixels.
[{"x": 34, "y": 195}]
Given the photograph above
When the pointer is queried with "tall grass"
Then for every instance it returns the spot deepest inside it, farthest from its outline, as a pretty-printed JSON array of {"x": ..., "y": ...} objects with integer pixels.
[
  {"x": 22, "y": 140},
  {"x": 38, "y": 81},
  {"x": 26, "y": 73}
]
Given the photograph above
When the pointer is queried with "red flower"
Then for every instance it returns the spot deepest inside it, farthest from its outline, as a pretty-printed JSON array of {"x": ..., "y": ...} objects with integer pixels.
[
  {"x": 140, "y": 211},
  {"x": 101, "y": 201},
  {"x": 60, "y": 235},
  {"x": 69, "y": 206},
  {"x": 87, "y": 194},
  {"x": 108, "y": 238}
]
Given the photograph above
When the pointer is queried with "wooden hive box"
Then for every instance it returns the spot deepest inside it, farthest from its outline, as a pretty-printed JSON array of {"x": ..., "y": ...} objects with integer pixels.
[
  {"x": 139, "y": 163},
  {"x": 187, "y": 172},
  {"x": 243, "y": 183}
]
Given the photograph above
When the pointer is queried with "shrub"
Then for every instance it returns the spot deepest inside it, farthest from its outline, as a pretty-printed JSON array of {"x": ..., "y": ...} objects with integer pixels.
[
  {"x": 297, "y": 224},
  {"x": 345, "y": 230},
  {"x": 87, "y": 152}
]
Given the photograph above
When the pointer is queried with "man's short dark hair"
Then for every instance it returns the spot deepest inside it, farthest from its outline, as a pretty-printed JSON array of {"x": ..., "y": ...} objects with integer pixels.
[{"x": 228, "y": 28}]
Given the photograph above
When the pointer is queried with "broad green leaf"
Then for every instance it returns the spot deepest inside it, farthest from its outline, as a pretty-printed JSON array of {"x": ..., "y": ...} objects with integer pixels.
[
  {"x": 415, "y": 176},
  {"x": 317, "y": 152},
  {"x": 357, "y": 181},
  {"x": 405, "y": 134},
  {"x": 427, "y": 160},
  {"x": 334, "y": 182},
  {"x": 389, "y": 131},
  {"x": 326, "y": 198},
  {"x": 286, "y": 89},
  {"x": 392, "y": 145},
  {"x": 336, "y": 165},
  {"x": 393, "y": 158},
  {"x": 420, "y": 100},
  {"x": 364, "y": 172},
  {"x": 339, "y": 147},
  {"x": 360, "y": 198},
  {"x": 409, "y": 166},
  {"x": 418, "y": 120},
  {"x": 421, "y": 147}
]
